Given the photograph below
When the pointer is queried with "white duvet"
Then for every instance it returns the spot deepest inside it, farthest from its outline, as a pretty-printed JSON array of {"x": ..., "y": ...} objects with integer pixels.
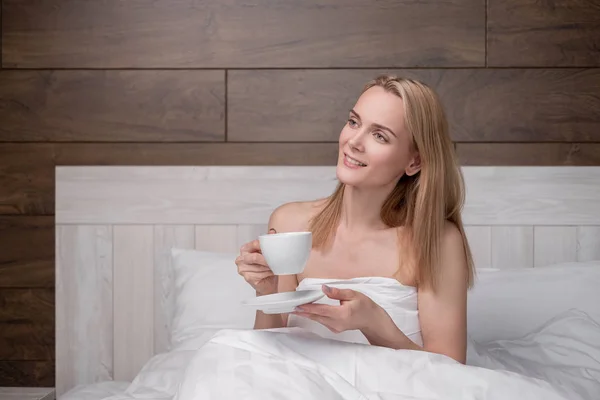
[
  {"x": 300, "y": 365},
  {"x": 293, "y": 363},
  {"x": 560, "y": 360}
]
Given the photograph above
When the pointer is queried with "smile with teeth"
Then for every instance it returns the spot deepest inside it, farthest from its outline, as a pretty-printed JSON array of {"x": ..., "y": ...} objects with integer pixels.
[{"x": 353, "y": 161}]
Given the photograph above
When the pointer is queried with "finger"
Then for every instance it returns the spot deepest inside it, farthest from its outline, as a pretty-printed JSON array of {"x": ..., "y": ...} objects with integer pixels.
[
  {"x": 255, "y": 258},
  {"x": 250, "y": 247},
  {"x": 250, "y": 259},
  {"x": 319, "y": 318},
  {"x": 260, "y": 275},
  {"x": 339, "y": 294},
  {"x": 323, "y": 310},
  {"x": 257, "y": 276},
  {"x": 245, "y": 268}
]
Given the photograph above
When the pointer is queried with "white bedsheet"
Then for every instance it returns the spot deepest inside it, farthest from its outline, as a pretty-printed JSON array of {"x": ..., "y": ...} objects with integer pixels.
[{"x": 300, "y": 365}]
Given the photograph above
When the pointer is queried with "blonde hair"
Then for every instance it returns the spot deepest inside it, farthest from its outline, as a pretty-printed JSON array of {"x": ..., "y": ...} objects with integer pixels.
[{"x": 421, "y": 203}]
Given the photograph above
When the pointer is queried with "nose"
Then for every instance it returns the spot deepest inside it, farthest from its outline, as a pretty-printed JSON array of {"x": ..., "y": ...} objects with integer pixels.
[{"x": 356, "y": 142}]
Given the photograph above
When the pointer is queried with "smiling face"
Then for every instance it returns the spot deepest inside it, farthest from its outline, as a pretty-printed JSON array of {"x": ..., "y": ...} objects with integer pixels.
[{"x": 375, "y": 147}]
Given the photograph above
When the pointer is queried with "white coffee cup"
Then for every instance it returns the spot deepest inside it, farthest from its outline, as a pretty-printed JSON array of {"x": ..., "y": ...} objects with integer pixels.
[{"x": 286, "y": 253}]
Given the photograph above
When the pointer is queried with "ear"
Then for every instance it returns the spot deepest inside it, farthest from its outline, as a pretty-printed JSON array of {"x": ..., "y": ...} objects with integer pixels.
[{"x": 414, "y": 166}]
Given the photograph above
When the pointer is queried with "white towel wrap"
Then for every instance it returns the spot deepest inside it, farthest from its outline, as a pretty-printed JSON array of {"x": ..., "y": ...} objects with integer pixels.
[{"x": 398, "y": 300}]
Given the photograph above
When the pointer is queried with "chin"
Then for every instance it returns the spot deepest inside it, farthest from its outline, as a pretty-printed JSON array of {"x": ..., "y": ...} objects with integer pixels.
[{"x": 348, "y": 176}]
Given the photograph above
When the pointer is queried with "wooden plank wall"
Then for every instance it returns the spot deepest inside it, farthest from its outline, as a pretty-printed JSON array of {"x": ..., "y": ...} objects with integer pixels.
[{"x": 191, "y": 82}]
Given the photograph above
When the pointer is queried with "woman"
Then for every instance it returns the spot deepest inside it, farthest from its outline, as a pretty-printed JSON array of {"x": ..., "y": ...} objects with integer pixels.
[{"x": 392, "y": 227}]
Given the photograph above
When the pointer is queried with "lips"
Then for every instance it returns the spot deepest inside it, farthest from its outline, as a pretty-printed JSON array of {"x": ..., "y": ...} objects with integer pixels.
[{"x": 353, "y": 161}]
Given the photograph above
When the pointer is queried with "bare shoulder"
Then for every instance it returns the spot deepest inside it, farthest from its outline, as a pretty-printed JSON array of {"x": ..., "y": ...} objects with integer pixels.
[{"x": 294, "y": 216}]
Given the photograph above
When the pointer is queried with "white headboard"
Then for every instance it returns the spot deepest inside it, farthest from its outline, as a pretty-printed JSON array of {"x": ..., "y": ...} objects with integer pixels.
[{"x": 115, "y": 225}]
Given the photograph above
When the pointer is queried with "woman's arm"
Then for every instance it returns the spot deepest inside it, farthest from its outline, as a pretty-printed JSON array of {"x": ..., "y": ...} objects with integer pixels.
[
  {"x": 288, "y": 217},
  {"x": 384, "y": 332},
  {"x": 443, "y": 313},
  {"x": 287, "y": 283}
]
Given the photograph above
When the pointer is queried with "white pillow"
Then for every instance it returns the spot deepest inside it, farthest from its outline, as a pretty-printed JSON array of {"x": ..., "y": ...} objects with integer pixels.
[
  {"x": 565, "y": 352},
  {"x": 207, "y": 295},
  {"x": 507, "y": 304},
  {"x": 504, "y": 304}
]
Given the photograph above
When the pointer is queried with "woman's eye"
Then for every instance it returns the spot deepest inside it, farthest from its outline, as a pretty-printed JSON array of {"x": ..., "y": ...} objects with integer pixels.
[
  {"x": 352, "y": 122},
  {"x": 379, "y": 136}
]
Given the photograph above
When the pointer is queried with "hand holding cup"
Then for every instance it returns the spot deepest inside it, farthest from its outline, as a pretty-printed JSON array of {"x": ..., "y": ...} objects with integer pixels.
[{"x": 261, "y": 261}]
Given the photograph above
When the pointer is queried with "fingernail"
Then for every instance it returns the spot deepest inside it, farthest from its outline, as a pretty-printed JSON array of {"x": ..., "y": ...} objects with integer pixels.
[
  {"x": 299, "y": 309},
  {"x": 326, "y": 288}
]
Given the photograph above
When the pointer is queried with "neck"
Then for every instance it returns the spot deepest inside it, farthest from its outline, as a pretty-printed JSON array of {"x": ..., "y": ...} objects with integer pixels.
[{"x": 361, "y": 208}]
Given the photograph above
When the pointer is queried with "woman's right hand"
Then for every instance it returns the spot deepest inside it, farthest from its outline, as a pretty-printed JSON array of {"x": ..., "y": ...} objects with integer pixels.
[{"x": 253, "y": 267}]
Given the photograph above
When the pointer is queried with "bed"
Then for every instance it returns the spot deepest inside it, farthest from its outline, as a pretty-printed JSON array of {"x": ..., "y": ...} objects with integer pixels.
[{"x": 145, "y": 277}]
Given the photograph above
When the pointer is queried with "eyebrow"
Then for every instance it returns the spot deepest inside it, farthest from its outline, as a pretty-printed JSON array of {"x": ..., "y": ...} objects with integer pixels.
[{"x": 382, "y": 127}]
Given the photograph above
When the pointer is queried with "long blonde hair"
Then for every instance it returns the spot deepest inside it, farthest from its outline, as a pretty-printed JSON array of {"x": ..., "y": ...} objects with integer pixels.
[{"x": 421, "y": 203}]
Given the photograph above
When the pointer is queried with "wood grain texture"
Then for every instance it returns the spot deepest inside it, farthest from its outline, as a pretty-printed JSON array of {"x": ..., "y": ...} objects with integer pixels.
[
  {"x": 27, "y": 169},
  {"x": 27, "y": 373},
  {"x": 483, "y": 105},
  {"x": 133, "y": 291},
  {"x": 184, "y": 195},
  {"x": 112, "y": 106},
  {"x": 27, "y": 324},
  {"x": 219, "y": 238},
  {"x": 543, "y": 33},
  {"x": 512, "y": 247},
  {"x": 27, "y": 393},
  {"x": 238, "y": 34},
  {"x": 529, "y": 154},
  {"x": 554, "y": 245},
  {"x": 248, "y": 195},
  {"x": 197, "y": 154},
  {"x": 480, "y": 243},
  {"x": 588, "y": 243},
  {"x": 247, "y": 233},
  {"x": 84, "y": 305},
  {"x": 26, "y": 179},
  {"x": 166, "y": 237},
  {"x": 27, "y": 256},
  {"x": 227, "y": 238},
  {"x": 531, "y": 196},
  {"x": 28, "y": 176}
]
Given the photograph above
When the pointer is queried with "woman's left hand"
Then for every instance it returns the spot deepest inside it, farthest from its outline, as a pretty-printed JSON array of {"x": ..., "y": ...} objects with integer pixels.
[{"x": 356, "y": 310}]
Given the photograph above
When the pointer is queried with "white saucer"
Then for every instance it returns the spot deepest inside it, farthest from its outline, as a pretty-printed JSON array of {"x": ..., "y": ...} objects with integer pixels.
[{"x": 285, "y": 302}]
